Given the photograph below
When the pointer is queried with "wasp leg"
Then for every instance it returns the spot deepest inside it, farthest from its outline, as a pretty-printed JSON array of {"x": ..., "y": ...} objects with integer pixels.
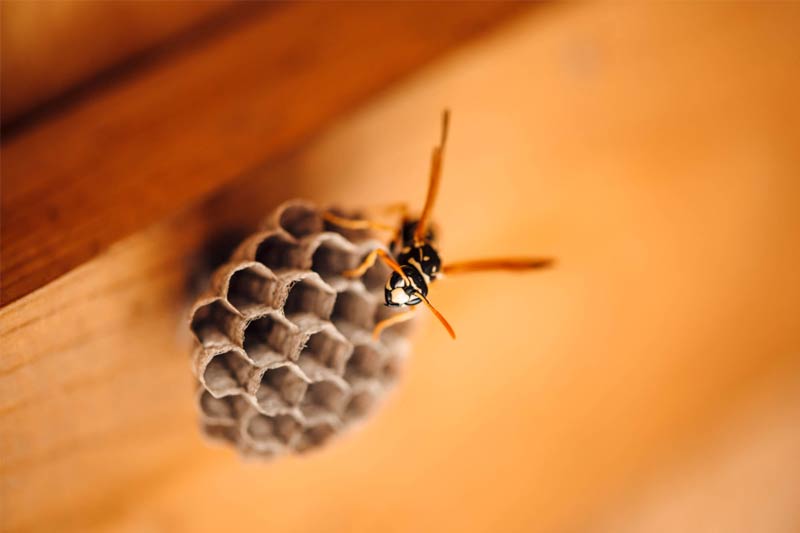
[
  {"x": 400, "y": 208},
  {"x": 504, "y": 263},
  {"x": 391, "y": 321},
  {"x": 370, "y": 260},
  {"x": 350, "y": 223}
]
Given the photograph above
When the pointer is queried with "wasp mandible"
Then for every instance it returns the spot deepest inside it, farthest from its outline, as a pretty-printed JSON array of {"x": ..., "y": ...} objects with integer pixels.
[{"x": 413, "y": 256}]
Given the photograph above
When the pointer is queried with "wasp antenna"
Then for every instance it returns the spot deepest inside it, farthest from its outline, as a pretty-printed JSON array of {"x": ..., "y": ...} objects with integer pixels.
[
  {"x": 445, "y": 127},
  {"x": 438, "y": 315},
  {"x": 434, "y": 180}
]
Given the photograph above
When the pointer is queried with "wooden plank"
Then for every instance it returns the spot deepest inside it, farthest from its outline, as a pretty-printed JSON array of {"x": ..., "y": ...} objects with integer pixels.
[
  {"x": 625, "y": 140},
  {"x": 126, "y": 157}
]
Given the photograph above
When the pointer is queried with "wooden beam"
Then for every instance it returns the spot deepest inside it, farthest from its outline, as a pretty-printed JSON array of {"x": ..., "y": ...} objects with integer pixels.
[{"x": 129, "y": 155}]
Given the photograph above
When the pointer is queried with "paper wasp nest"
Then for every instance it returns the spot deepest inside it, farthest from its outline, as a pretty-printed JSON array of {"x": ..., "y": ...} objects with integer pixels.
[{"x": 285, "y": 357}]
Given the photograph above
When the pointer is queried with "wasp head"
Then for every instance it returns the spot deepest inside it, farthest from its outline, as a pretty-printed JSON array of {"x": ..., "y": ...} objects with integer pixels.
[{"x": 400, "y": 290}]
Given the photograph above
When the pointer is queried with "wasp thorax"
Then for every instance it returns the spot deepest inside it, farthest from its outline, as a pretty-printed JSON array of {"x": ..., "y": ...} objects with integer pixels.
[
  {"x": 424, "y": 257},
  {"x": 400, "y": 291}
]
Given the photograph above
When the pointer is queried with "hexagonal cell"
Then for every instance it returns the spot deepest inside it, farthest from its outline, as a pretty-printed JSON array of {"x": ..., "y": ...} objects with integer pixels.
[
  {"x": 276, "y": 252},
  {"x": 375, "y": 278},
  {"x": 280, "y": 387},
  {"x": 366, "y": 361},
  {"x": 315, "y": 436},
  {"x": 327, "y": 395},
  {"x": 286, "y": 428},
  {"x": 271, "y": 338},
  {"x": 309, "y": 295},
  {"x": 390, "y": 369},
  {"x": 402, "y": 329},
  {"x": 360, "y": 404},
  {"x": 332, "y": 257},
  {"x": 326, "y": 349},
  {"x": 219, "y": 375},
  {"x": 259, "y": 427},
  {"x": 355, "y": 307},
  {"x": 300, "y": 220},
  {"x": 211, "y": 323},
  {"x": 248, "y": 287},
  {"x": 354, "y": 235},
  {"x": 248, "y": 452},
  {"x": 225, "y": 433},
  {"x": 265, "y": 430},
  {"x": 216, "y": 409}
]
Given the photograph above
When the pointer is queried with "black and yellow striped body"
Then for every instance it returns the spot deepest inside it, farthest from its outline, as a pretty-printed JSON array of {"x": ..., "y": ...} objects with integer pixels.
[{"x": 420, "y": 263}]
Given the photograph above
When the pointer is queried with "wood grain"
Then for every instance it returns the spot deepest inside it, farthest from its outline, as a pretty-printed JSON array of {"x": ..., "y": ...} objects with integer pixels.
[
  {"x": 140, "y": 150},
  {"x": 629, "y": 142}
]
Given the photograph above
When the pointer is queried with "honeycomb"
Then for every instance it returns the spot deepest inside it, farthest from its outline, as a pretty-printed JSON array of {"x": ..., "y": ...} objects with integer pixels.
[{"x": 284, "y": 356}]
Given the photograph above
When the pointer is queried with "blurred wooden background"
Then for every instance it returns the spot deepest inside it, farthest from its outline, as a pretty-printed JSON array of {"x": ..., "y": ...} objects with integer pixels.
[
  {"x": 51, "y": 48},
  {"x": 646, "y": 384}
]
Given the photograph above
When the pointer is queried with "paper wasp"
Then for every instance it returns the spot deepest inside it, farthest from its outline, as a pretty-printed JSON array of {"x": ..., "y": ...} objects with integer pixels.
[{"x": 413, "y": 257}]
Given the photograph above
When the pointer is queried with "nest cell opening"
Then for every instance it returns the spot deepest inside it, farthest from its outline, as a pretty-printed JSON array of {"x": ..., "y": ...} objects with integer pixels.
[
  {"x": 309, "y": 296},
  {"x": 221, "y": 432},
  {"x": 275, "y": 252},
  {"x": 326, "y": 394},
  {"x": 219, "y": 375},
  {"x": 315, "y": 436},
  {"x": 248, "y": 287},
  {"x": 216, "y": 408},
  {"x": 265, "y": 430},
  {"x": 365, "y": 362},
  {"x": 327, "y": 350},
  {"x": 300, "y": 221},
  {"x": 286, "y": 428},
  {"x": 359, "y": 404},
  {"x": 356, "y": 308},
  {"x": 390, "y": 370},
  {"x": 283, "y": 385},
  {"x": 259, "y": 428},
  {"x": 210, "y": 322},
  {"x": 375, "y": 277},
  {"x": 331, "y": 258},
  {"x": 268, "y": 338}
]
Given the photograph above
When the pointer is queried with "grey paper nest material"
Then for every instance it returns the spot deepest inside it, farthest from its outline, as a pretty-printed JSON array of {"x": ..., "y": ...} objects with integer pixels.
[{"x": 285, "y": 358}]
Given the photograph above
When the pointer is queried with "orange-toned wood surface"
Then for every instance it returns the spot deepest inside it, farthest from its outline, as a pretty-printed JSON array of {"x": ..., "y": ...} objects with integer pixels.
[
  {"x": 48, "y": 48},
  {"x": 185, "y": 127},
  {"x": 646, "y": 384}
]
